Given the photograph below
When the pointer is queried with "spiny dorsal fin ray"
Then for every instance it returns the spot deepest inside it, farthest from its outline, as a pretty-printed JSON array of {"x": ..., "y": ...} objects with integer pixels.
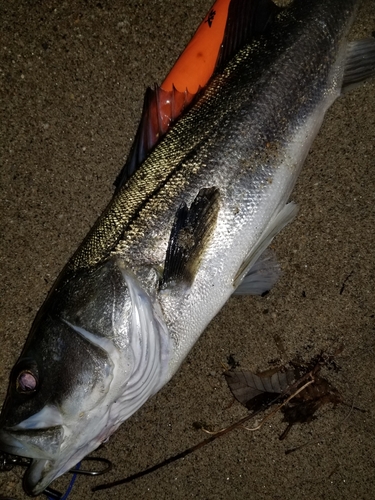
[
  {"x": 246, "y": 21},
  {"x": 161, "y": 108},
  {"x": 189, "y": 237},
  {"x": 228, "y": 26}
]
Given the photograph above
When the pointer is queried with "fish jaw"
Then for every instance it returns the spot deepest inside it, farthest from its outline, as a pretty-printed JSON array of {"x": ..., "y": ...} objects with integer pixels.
[
  {"x": 36, "y": 478},
  {"x": 42, "y": 446},
  {"x": 50, "y": 451}
]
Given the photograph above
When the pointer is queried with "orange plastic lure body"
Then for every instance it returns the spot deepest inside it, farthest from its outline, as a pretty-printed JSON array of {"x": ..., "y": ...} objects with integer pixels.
[
  {"x": 164, "y": 104},
  {"x": 196, "y": 64}
]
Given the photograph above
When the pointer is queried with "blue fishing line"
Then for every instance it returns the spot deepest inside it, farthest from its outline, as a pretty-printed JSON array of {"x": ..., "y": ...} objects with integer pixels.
[{"x": 71, "y": 484}]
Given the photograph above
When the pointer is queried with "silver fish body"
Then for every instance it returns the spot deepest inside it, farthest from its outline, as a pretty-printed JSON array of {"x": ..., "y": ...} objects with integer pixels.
[{"x": 117, "y": 324}]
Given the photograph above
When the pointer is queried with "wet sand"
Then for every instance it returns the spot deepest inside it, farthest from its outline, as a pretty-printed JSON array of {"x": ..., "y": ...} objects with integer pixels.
[{"x": 73, "y": 77}]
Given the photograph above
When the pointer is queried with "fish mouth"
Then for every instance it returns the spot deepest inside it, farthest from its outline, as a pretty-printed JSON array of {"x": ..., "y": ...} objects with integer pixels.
[
  {"x": 32, "y": 443},
  {"x": 39, "y": 476},
  {"x": 42, "y": 446}
]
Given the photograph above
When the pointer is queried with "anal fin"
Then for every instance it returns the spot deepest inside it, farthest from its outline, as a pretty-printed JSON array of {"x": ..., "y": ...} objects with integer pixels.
[
  {"x": 189, "y": 237},
  {"x": 360, "y": 63},
  {"x": 261, "y": 277},
  {"x": 277, "y": 223}
]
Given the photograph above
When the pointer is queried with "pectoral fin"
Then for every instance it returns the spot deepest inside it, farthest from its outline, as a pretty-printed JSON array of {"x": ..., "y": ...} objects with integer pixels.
[{"x": 189, "y": 237}]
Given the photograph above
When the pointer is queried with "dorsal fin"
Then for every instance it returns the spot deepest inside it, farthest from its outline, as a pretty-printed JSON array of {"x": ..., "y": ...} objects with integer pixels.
[
  {"x": 246, "y": 20},
  {"x": 161, "y": 108},
  {"x": 228, "y": 25}
]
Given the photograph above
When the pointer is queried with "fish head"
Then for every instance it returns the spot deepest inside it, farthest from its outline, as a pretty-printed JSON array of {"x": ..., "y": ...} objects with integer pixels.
[
  {"x": 55, "y": 402},
  {"x": 94, "y": 355}
]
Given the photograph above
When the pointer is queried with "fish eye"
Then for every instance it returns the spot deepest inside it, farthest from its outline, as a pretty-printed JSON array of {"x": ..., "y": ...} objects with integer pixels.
[{"x": 26, "y": 382}]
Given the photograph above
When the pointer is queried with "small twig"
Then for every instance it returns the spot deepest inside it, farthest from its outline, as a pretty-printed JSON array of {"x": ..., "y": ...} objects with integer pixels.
[
  {"x": 333, "y": 471},
  {"x": 344, "y": 282},
  {"x": 352, "y": 407}
]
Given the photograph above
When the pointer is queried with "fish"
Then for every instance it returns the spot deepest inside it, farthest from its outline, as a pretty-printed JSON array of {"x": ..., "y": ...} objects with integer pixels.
[{"x": 191, "y": 218}]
